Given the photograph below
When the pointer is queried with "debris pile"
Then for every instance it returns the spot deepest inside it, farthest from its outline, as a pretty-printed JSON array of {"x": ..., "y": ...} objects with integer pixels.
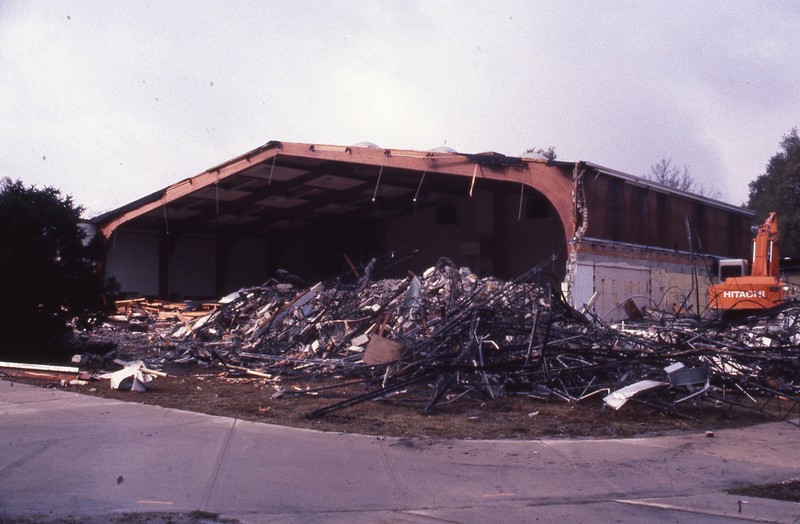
[{"x": 447, "y": 333}]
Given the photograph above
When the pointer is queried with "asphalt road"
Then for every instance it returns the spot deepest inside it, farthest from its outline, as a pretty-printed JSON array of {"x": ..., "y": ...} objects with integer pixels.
[{"x": 63, "y": 454}]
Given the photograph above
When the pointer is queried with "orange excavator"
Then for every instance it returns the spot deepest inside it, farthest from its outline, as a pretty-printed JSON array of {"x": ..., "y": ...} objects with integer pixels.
[{"x": 761, "y": 288}]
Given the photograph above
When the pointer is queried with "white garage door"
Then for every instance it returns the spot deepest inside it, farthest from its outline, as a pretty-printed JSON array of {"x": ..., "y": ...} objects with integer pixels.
[{"x": 616, "y": 285}]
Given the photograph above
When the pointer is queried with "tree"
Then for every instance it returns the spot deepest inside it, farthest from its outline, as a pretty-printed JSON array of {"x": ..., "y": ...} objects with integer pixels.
[
  {"x": 549, "y": 153},
  {"x": 47, "y": 275},
  {"x": 778, "y": 190},
  {"x": 673, "y": 176}
]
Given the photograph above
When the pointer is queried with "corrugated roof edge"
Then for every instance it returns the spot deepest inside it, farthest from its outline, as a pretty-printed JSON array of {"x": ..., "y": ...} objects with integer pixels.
[
  {"x": 101, "y": 219},
  {"x": 487, "y": 157},
  {"x": 667, "y": 189}
]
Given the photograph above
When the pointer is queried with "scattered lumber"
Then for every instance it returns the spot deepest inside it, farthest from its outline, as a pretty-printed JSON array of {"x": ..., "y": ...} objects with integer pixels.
[{"x": 446, "y": 334}]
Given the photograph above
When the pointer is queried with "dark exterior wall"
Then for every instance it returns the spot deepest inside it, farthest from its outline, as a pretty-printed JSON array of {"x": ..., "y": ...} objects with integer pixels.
[
  {"x": 245, "y": 264},
  {"x": 461, "y": 230},
  {"x": 491, "y": 234},
  {"x": 192, "y": 266},
  {"x": 132, "y": 257},
  {"x": 524, "y": 237},
  {"x": 736, "y": 224},
  {"x": 631, "y": 213}
]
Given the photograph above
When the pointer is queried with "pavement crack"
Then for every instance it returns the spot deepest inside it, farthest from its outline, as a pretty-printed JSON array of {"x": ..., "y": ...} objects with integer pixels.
[
  {"x": 392, "y": 474},
  {"x": 9, "y": 468},
  {"x": 218, "y": 465}
]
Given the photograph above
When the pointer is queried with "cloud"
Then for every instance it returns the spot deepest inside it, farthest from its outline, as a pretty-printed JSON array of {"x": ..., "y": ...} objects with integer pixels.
[{"x": 123, "y": 99}]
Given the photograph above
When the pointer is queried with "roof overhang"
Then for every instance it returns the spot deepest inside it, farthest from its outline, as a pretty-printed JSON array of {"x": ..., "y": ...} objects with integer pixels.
[{"x": 286, "y": 186}]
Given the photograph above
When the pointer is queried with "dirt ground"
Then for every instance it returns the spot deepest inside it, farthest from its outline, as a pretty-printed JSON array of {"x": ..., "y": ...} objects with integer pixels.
[
  {"x": 289, "y": 401},
  {"x": 786, "y": 490}
]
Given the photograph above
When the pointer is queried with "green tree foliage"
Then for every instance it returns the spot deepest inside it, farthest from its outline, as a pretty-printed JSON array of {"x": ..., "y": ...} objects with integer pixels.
[
  {"x": 778, "y": 190},
  {"x": 679, "y": 178},
  {"x": 47, "y": 276}
]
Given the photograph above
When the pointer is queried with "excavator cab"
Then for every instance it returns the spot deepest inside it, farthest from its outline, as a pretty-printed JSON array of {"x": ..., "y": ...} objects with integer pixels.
[{"x": 732, "y": 268}]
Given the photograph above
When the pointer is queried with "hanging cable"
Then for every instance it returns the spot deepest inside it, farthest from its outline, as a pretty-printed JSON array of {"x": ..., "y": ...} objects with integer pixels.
[
  {"x": 166, "y": 222},
  {"x": 416, "y": 195},
  {"x": 271, "y": 169},
  {"x": 377, "y": 184},
  {"x": 474, "y": 175}
]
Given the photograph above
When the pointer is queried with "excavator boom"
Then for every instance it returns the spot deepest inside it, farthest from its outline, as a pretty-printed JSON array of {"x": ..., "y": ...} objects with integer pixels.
[{"x": 765, "y": 249}]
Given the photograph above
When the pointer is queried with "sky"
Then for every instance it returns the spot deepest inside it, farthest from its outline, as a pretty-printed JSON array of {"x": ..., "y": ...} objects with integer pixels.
[{"x": 109, "y": 101}]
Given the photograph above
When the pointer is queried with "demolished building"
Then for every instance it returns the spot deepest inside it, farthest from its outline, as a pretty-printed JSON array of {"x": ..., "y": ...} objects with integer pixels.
[{"x": 320, "y": 210}]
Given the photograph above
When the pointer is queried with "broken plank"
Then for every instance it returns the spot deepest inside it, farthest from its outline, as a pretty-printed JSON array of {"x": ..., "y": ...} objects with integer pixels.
[{"x": 39, "y": 367}]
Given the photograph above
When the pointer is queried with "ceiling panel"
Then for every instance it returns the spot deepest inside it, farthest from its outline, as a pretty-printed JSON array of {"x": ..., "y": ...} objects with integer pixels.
[
  {"x": 225, "y": 195},
  {"x": 338, "y": 183},
  {"x": 281, "y": 202}
]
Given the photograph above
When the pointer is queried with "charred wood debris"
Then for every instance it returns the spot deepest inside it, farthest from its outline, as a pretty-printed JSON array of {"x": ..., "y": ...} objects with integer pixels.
[{"x": 448, "y": 334}]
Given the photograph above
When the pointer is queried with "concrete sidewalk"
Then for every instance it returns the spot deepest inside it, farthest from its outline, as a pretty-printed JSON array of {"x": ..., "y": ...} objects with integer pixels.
[{"x": 68, "y": 454}]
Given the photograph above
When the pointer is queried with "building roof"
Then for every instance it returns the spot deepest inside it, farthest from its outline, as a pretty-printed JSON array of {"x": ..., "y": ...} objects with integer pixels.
[{"x": 286, "y": 186}]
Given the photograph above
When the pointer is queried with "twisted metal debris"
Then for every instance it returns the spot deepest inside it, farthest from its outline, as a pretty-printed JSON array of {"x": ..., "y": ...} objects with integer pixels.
[{"x": 447, "y": 333}]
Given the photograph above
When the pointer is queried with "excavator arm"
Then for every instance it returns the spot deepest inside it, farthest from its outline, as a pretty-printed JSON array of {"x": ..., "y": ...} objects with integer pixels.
[{"x": 765, "y": 249}]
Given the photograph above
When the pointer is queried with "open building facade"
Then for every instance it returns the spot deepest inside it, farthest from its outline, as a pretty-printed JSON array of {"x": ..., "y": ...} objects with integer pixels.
[{"x": 319, "y": 211}]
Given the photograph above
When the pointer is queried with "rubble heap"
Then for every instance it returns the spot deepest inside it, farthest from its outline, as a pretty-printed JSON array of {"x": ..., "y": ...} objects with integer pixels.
[{"x": 448, "y": 333}]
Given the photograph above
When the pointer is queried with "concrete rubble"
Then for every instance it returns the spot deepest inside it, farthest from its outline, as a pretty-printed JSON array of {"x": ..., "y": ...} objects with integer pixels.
[{"x": 447, "y": 333}]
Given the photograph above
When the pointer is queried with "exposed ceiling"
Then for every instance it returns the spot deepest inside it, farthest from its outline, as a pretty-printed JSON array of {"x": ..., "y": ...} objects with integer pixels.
[{"x": 285, "y": 193}]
